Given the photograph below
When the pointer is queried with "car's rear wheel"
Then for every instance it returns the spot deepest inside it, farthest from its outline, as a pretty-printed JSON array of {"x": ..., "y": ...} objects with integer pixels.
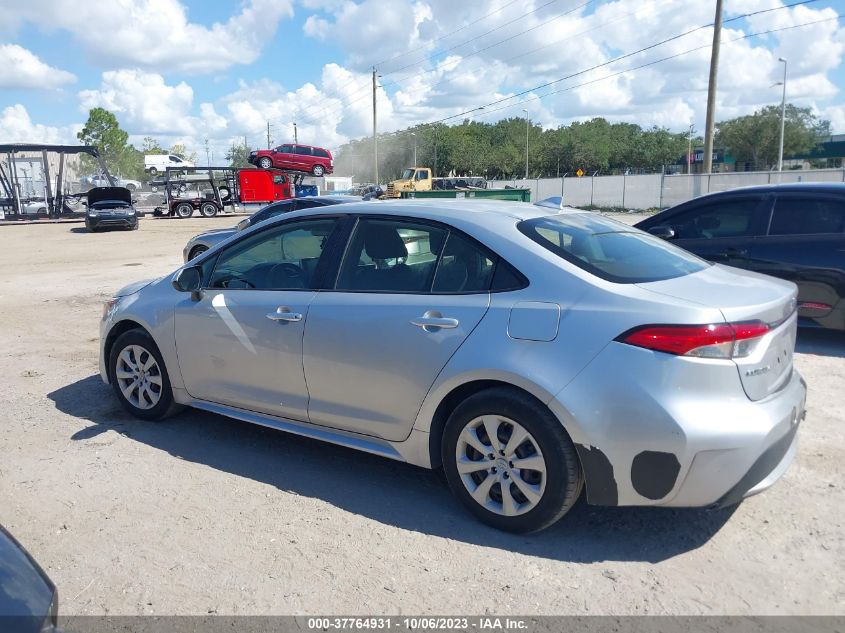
[
  {"x": 139, "y": 377},
  {"x": 197, "y": 251},
  {"x": 509, "y": 461},
  {"x": 318, "y": 170},
  {"x": 208, "y": 209},
  {"x": 184, "y": 210},
  {"x": 265, "y": 163},
  {"x": 153, "y": 171}
]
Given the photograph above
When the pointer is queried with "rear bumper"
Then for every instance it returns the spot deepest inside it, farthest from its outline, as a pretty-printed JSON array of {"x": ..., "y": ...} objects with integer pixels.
[{"x": 648, "y": 434}]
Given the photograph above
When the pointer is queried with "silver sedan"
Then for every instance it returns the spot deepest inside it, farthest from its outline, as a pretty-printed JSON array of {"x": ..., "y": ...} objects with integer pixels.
[
  {"x": 531, "y": 356},
  {"x": 198, "y": 244}
]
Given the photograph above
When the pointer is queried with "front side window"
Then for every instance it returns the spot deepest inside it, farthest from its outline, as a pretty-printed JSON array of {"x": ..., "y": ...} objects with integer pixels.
[
  {"x": 611, "y": 250},
  {"x": 407, "y": 174},
  {"x": 807, "y": 216},
  {"x": 285, "y": 149},
  {"x": 729, "y": 218},
  {"x": 175, "y": 159},
  {"x": 278, "y": 179},
  {"x": 282, "y": 258}
]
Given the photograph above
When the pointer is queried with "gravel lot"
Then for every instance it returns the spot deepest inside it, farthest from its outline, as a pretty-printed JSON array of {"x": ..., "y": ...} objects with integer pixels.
[{"x": 202, "y": 514}]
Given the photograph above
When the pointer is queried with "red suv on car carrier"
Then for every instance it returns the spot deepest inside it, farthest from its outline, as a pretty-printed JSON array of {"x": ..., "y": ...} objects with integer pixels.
[{"x": 314, "y": 160}]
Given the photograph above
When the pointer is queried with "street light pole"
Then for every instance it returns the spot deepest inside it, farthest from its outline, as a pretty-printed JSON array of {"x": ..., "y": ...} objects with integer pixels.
[
  {"x": 415, "y": 148},
  {"x": 689, "y": 150},
  {"x": 782, "y": 115},
  {"x": 527, "y": 124}
]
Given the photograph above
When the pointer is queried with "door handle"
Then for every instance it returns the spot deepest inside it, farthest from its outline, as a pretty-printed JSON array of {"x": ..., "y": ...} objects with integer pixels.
[
  {"x": 432, "y": 321},
  {"x": 284, "y": 314}
]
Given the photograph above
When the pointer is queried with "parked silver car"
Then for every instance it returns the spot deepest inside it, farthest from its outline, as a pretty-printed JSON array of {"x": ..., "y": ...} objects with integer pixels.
[
  {"x": 198, "y": 244},
  {"x": 530, "y": 355}
]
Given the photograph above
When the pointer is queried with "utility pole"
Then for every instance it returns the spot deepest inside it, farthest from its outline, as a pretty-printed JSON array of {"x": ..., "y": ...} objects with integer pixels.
[
  {"x": 782, "y": 115},
  {"x": 689, "y": 149},
  {"x": 268, "y": 134},
  {"x": 207, "y": 159},
  {"x": 245, "y": 143},
  {"x": 711, "y": 90},
  {"x": 375, "y": 129},
  {"x": 295, "y": 136},
  {"x": 527, "y": 124}
]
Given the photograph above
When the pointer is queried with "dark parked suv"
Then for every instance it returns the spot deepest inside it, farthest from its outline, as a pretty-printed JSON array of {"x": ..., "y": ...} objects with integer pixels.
[
  {"x": 314, "y": 160},
  {"x": 794, "y": 231}
]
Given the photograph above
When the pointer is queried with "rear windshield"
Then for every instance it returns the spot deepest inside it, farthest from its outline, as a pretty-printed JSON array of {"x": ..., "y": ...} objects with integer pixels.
[{"x": 611, "y": 250}]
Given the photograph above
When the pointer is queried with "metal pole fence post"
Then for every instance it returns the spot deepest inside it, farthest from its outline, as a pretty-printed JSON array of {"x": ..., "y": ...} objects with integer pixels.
[{"x": 624, "y": 183}]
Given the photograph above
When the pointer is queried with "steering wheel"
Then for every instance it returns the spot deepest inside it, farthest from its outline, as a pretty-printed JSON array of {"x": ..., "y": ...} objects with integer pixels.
[
  {"x": 225, "y": 281},
  {"x": 289, "y": 272}
]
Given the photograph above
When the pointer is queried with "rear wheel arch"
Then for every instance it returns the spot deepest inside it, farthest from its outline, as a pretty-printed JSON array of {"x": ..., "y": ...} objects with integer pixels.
[{"x": 458, "y": 395}]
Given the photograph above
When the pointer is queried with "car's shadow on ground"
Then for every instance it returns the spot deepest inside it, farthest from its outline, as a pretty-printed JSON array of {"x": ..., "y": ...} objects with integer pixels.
[
  {"x": 820, "y": 342},
  {"x": 390, "y": 492}
]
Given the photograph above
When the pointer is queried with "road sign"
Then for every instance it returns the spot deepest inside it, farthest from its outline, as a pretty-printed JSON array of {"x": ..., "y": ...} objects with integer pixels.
[{"x": 580, "y": 172}]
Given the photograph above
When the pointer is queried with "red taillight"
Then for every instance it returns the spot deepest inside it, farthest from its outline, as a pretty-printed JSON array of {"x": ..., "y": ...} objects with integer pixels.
[{"x": 722, "y": 340}]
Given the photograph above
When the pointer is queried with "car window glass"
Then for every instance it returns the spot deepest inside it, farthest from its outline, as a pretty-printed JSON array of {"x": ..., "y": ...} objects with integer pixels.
[
  {"x": 463, "y": 267},
  {"x": 321, "y": 153},
  {"x": 729, "y": 218},
  {"x": 391, "y": 256},
  {"x": 422, "y": 174},
  {"x": 278, "y": 179},
  {"x": 284, "y": 258},
  {"x": 303, "y": 150},
  {"x": 174, "y": 159},
  {"x": 806, "y": 216},
  {"x": 285, "y": 149},
  {"x": 610, "y": 250}
]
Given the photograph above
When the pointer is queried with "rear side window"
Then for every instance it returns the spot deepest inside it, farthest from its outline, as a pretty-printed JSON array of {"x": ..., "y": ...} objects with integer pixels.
[
  {"x": 303, "y": 150},
  {"x": 807, "y": 216},
  {"x": 611, "y": 250},
  {"x": 320, "y": 152},
  {"x": 729, "y": 218}
]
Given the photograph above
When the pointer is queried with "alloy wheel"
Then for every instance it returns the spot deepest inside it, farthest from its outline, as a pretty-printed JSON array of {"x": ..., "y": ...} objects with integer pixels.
[
  {"x": 138, "y": 376},
  {"x": 501, "y": 465}
]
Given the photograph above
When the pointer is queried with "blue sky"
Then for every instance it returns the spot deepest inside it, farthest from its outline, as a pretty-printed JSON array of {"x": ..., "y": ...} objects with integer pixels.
[{"x": 187, "y": 70}]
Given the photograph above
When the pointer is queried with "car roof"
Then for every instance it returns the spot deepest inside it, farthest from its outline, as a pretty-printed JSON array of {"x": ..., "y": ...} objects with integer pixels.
[
  {"x": 449, "y": 211},
  {"x": 787, "y": 187}
]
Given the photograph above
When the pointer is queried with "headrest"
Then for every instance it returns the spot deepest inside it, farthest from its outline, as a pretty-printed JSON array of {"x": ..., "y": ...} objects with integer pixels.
[{"x": 383, "y": 242}]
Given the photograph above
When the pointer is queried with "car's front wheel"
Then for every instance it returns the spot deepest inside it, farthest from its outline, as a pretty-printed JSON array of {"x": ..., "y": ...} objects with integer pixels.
[
  {"x": 139, "y": 377},
  {"x": 197, "y": 251},
  {"x": 510, "y": 462},
  {"x": 265, "y": 162}
]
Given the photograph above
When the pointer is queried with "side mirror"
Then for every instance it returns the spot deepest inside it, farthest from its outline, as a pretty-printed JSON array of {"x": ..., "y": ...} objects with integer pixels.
[
  {"x": 189, "y": 280},
  {"x": 663, "y": 232},
  {"x": 243, "y": 224}
]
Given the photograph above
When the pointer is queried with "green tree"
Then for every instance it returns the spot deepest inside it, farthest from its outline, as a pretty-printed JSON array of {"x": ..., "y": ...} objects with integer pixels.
[
  {"x": 755, "y": 138},
  {"x": 179, "y": 150},
  {"x": 103, "y": 131},
  {"x": 238, "y": 156},
  {"x": 152, "y": 146}
]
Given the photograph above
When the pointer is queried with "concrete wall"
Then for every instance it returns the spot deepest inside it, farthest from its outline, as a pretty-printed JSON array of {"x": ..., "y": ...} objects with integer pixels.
[{"x": 656, "y": 191}]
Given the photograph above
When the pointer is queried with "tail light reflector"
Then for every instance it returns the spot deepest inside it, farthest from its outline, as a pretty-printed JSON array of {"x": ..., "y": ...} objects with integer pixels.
[{"x": 716, "y": 340}]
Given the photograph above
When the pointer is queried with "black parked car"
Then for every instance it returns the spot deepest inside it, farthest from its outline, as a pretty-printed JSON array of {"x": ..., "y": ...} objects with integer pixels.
[
  {"x": 110, "y": 207},
  {"x": 28, "y": 598},
  {"x": 794, "y": 231}
]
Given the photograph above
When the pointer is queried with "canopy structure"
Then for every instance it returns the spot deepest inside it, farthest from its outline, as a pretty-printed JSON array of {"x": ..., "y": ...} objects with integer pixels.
[{"x": 11, "y": 198}]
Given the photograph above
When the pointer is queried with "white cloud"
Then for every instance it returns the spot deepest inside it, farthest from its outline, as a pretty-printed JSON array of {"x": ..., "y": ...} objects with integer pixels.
[
  {"x": 21, "y": 68},
  {"x": 17, "y": 127},
  {"x": 156, "y": 33}
]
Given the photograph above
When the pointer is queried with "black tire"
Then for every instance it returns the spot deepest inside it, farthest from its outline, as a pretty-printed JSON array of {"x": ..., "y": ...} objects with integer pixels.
[
  {"x": 153, "y": 171},
  {"x": 265, "y": 162},
  {"x": 197, "y": 251},
  {"x": 184, "y": 210},
  {"x": 564, "y": 478},
  {"x": 208, "y": 209},
  {"x": 224, "y": 193},
  {"x": 131, "y": 187},
  {"x": 318, "y": 170},
  {"x": 165, "y": 405}
]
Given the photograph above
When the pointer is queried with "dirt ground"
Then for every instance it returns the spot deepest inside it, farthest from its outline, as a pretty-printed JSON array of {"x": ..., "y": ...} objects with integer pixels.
[{"x": 202, "y": 514}]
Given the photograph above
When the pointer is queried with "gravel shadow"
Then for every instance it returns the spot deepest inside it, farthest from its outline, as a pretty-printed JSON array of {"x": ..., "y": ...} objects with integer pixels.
[{"x": 383, "y": 490}]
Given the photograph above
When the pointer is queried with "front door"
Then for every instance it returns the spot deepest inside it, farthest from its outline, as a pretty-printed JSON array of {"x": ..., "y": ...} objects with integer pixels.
[
  {"x": 241, "y": 343},
  {"x": 375, "y": 344}
]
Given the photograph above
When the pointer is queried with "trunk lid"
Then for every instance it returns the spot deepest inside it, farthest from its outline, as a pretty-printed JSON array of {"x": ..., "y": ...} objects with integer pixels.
[{"x": 743, "y": 296}]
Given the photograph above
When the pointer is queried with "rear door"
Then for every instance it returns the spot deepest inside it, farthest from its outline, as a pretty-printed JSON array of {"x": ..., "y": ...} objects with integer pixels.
[
  {"x": 805, "y": 243},
  {"x": 722, "y": 229},
  {"x": 304, "y": 159},
  {"x": 407, "y": 295}
]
